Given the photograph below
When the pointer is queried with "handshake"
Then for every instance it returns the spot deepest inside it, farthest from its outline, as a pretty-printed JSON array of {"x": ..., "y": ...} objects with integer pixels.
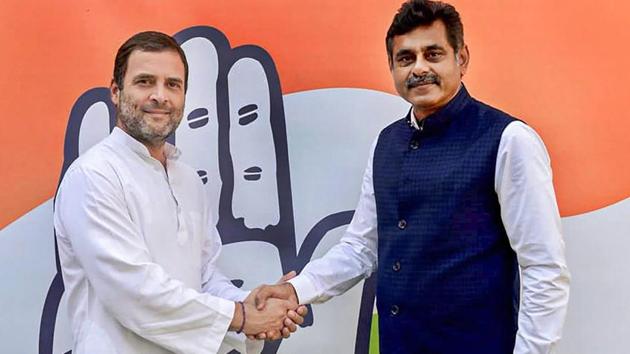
[{"x": 269, "y": 312}]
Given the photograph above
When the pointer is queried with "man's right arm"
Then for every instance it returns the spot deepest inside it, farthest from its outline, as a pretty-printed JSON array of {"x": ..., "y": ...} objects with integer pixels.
[{"x": 354, "y": 258}]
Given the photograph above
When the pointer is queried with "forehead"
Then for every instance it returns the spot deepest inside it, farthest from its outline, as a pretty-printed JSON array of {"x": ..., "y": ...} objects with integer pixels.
[
  {"x": 162, "y": 64},
  {"x": 422, "y": 37}
]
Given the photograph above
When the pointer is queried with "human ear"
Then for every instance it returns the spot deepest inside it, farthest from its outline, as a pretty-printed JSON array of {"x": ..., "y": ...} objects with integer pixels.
[
  {"x": 462, "y": 58},
  {"x": 114, "y": 92}
]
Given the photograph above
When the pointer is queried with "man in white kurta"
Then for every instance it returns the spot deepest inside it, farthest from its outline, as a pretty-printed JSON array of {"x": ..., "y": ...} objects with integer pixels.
[
  {"x": 137, "y": 254},
  {"x": 136, "y": 245}
]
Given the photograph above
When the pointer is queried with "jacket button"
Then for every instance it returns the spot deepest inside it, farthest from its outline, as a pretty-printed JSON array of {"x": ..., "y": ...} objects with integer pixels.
[
  {"x": 396, "y": 266},
  {"x": 394, "y": 310},
  {"x": 402, "y": 223},
  {"x": 414, "y": 145}
]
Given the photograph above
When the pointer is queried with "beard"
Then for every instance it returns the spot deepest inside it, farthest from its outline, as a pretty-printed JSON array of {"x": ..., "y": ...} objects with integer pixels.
[{"x": 141, "y": 126}]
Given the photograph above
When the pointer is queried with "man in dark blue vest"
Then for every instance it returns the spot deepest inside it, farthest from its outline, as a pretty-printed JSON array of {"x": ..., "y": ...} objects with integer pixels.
[{"x": 457, "y": 200}]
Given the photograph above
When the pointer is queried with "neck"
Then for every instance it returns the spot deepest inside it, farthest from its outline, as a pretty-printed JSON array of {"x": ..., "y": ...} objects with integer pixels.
[
  {"x": 156, "y": 149},
  {"x": 421, "y": 113},
  {"x": 157, "y": 152}
]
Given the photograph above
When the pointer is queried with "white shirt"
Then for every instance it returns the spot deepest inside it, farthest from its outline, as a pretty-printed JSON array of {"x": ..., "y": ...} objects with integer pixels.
[
  {"x": 530, "y": 215},
  {"x": 137, "y": 253}
]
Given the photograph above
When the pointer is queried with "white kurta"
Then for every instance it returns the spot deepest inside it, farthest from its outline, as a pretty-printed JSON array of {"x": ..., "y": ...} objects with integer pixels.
[
  {"x": 137, "y": 251},
  {"x": 530, "y": 215}
]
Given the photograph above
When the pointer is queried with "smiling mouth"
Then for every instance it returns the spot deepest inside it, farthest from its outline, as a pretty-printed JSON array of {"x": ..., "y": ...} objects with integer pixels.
[
  {"x": 154, "y": 112},
  {"x": 424, "y": 84},
  {"x": 421, "y": 85}
]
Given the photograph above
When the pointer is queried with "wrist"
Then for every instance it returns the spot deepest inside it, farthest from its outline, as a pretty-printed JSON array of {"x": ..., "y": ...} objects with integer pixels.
[
  {"x": 238, "y": 319},
  {"x": 240, "y": 329},
  {"x": 291, "y": 289}
]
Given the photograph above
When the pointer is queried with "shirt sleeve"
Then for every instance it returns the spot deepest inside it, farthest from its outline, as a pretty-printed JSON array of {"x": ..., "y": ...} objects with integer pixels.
[
  {"x": 213, "y": 281},
  {"x": 523, "y": 182},
  {"x": 217, "y": 284},
  {"x": 92, "y": 216},
  {"x": 352, "y": 259}
]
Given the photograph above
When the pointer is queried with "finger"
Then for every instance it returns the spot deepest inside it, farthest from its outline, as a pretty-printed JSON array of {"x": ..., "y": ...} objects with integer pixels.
[
  {"x": 251, "y": 337},
  {"x": 197, "y": 134},
  {"x": 274, "y": 335},
  {"x": 294, "y": 317},
  {"x": 261, "y": 336},
  {"x": 273, "y": 291},
  {"x": 289, "y": 275},
  {"x": 252, "y": 147},
  {"x": 260, "y": 298},
  {"x": 289, "y": 305},
  {"x": 290, "y": 325},
  {"x": 302, "y": 310},
  {"x": 286, "y": 333}
]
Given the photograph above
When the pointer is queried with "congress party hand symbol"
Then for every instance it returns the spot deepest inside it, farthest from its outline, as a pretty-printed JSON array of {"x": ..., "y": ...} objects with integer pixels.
[{"x": 233, "y": 133}]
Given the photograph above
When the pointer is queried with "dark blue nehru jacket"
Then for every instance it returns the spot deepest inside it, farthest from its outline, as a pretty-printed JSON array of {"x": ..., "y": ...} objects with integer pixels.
[{"x": 447, "y": 277}]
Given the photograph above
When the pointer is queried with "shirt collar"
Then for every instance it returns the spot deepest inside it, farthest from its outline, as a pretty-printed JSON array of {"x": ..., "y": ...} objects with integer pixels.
[
  {"x": 443, "y": 116},
  {"x": 121, "y": 137}
]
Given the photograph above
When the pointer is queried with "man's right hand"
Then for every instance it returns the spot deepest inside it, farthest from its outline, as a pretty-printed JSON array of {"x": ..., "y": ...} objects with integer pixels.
[
  {"x": 270, "y": 320},
  {"x": 294, "y": 317},
  {"x": 264, "y": 293}
]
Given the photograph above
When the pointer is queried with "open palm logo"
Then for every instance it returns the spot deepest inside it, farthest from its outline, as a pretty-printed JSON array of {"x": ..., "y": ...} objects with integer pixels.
[{"x": 234, "y": 133}]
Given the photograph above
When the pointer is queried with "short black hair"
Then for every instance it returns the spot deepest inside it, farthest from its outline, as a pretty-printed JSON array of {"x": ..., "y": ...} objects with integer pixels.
[
  {"x": 149, "y": 41},
  {"x": 414, "y": 13}
]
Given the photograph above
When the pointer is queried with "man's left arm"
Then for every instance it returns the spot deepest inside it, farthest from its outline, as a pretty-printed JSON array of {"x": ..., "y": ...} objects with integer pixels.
[{"x": 523, "y": 182}]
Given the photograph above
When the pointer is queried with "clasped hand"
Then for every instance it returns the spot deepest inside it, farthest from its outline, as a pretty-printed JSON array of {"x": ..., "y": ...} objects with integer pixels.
[{"x": 272, "y": 311}]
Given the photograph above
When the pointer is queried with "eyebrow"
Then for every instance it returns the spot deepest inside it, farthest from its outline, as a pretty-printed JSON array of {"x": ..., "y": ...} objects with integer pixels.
[
  {"x": 433, "y": 47},
  {"x": 152, "y": 77},
  {"x": 175, "y": 79},
  {"x": 403, "y": 52},
  {"x": 143, "y": 76}
]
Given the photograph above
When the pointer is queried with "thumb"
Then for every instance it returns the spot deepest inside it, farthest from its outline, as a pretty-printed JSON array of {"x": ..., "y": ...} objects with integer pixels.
[
  {"x": 260, "y": 298},
  {"x": 289, "y": 275}
]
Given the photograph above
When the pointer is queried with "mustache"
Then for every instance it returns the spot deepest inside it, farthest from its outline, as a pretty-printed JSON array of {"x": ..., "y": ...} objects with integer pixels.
[
  {"x": 428, "y": 78},
  {"x": 156, "y": 106}
]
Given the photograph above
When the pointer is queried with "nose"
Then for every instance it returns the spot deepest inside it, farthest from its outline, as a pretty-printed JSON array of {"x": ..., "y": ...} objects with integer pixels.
[
  {"x": 420, "y": 67},
  {"x": 158, "y": 95}
]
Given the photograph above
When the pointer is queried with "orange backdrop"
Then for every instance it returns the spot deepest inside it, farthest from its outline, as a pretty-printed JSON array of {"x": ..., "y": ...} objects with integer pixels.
[{"x": 559, "y": 65}]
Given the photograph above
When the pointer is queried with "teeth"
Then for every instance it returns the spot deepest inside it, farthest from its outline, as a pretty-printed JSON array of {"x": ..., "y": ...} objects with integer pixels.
[
  {"x": 247, "y": 114},
  {"x": 253, "y": 173},
  {"x": 198, "y": 118}
]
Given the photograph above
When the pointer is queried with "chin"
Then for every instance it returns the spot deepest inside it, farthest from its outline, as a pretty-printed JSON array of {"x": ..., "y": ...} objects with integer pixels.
[
  {"x": 428, "y": 94},
  {"x": 424, "y": 101}
]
